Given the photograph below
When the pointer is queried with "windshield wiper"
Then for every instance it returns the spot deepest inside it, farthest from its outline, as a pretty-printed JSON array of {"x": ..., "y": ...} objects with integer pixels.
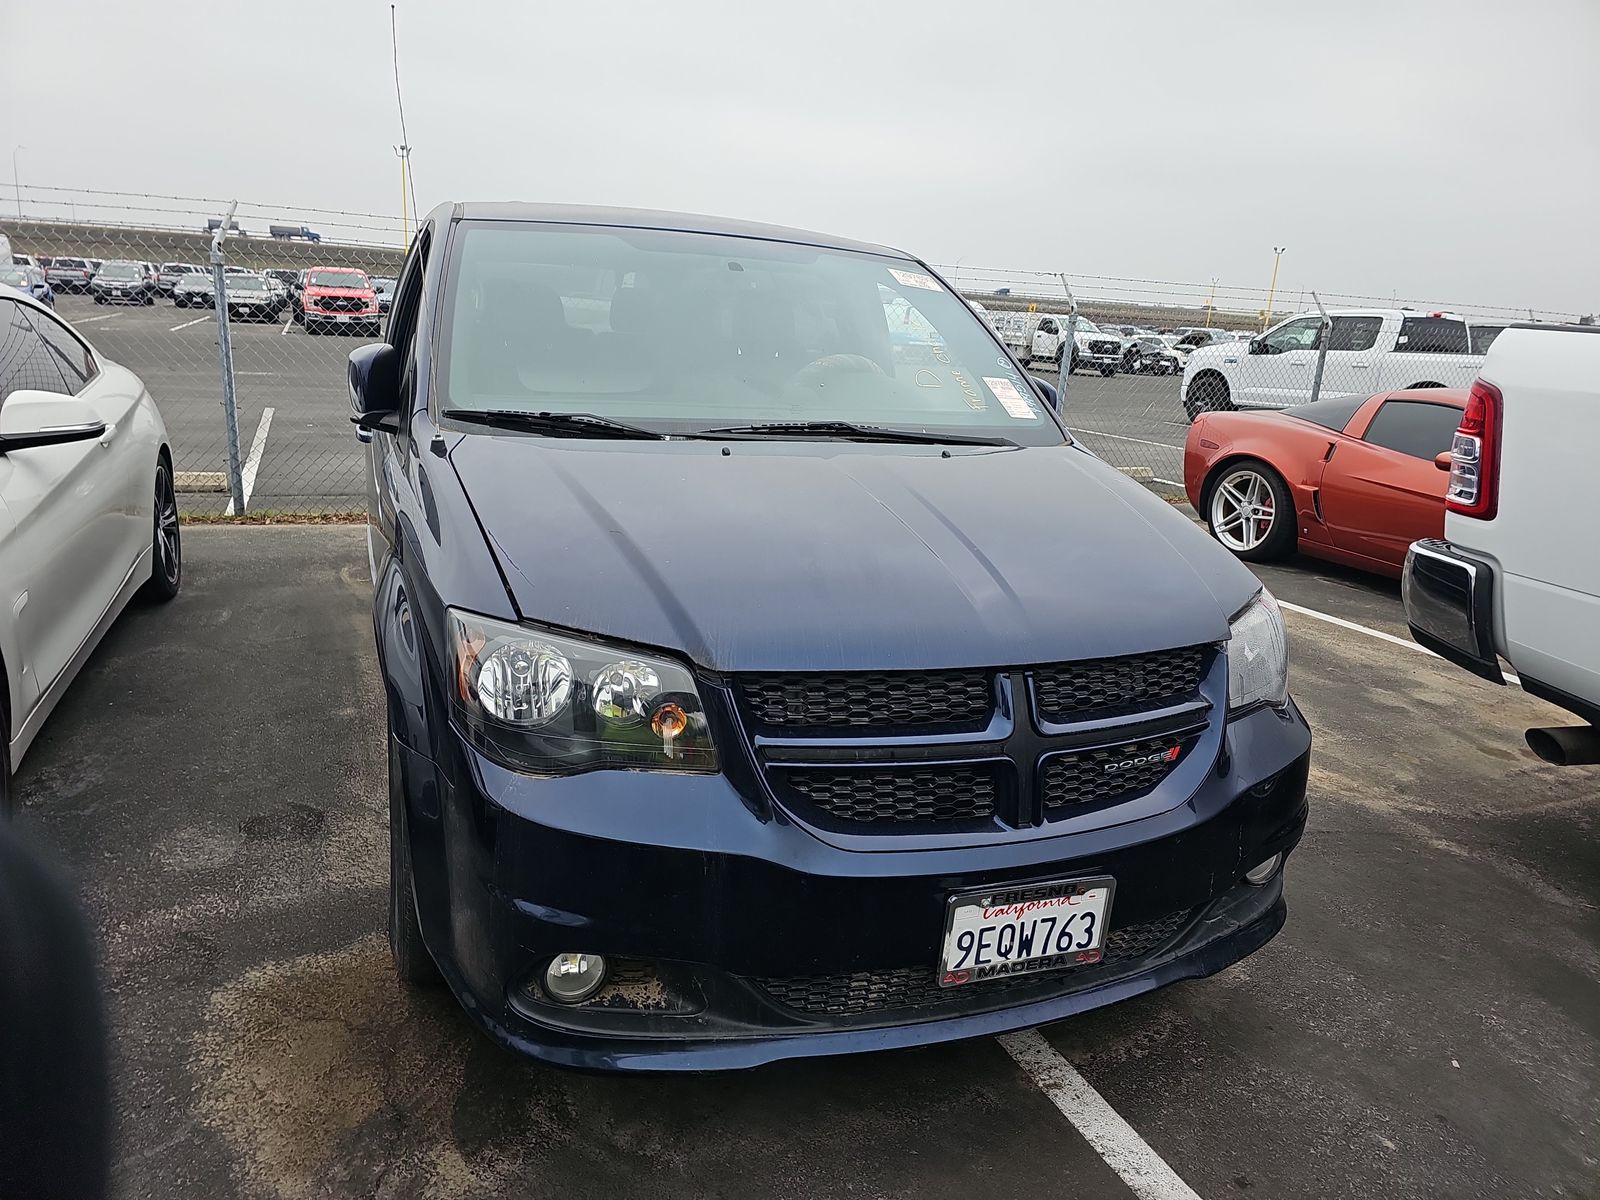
[
  {"x": 555, "y": 424},
  {"x": 846, "y": 431}
]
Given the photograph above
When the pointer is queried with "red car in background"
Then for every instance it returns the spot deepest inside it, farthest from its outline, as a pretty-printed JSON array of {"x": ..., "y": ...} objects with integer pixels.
[
  {"x": 1352, "y": 480},
  {"x": 336, "y": 299}
]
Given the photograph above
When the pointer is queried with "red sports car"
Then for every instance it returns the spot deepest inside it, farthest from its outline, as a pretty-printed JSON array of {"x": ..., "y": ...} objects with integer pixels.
[{"x": 1353, "y": 480}]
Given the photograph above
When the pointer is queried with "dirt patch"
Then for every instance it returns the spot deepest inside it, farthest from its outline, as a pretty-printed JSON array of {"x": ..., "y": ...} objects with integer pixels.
[{"x": 328, "y": 1079}]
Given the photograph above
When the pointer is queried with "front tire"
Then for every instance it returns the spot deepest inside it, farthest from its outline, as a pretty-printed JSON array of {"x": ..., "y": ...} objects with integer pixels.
[
  {"x": 166, "y": 551},
  {"x": 1107, "y": 372},
  {"x": 1250, "y": 511},
  {"x": 1209, "y": 393},
  {"x": 412, "y": 962}
]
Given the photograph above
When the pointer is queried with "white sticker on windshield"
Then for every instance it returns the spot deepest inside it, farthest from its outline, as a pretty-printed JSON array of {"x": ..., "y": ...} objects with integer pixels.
[
  {"x": 1010, "y": 399},
  {"x": 915, "y": 279}
]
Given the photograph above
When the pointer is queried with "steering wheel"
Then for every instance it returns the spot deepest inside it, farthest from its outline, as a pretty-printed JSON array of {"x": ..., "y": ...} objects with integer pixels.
[{"x": 842, "y": 364}]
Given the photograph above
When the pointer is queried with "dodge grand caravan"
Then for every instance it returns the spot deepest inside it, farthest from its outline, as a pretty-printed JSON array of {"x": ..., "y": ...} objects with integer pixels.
[{"x": 762, "y": 683}]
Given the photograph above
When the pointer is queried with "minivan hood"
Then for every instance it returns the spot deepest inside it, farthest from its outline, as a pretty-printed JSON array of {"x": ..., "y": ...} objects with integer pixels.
[{"x": 835, "y": 556}]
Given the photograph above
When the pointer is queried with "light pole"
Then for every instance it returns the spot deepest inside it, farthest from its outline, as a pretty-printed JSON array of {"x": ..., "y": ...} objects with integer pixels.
[
  {"x": 1277, "y": 255},
  {"x": 1211, "y": 301},
  {"x": 16, "y": 183}
]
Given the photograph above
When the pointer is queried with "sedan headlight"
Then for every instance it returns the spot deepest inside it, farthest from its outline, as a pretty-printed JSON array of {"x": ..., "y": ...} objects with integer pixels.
[
  {"x": 1258, "y": 655},
  {"x": 550, "y": 703}
]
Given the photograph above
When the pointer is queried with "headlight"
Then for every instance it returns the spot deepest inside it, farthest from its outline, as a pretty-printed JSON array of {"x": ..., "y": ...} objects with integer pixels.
[
  {"x": 1258, "y": 655},
  {"x": 549, "y": 703}
]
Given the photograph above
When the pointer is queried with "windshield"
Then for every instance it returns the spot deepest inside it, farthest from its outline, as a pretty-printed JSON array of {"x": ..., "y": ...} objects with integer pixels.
[
  {"x": 1087, "y": 326},
  {"x": 679, "y": 332},
  {"x": 14, "y": 278},
  {"x": 247, "y": 283},
  {"x": 68, "y": 262},
  {"x": 336, "y": 279},
  {"x": 121, "y": 271}
]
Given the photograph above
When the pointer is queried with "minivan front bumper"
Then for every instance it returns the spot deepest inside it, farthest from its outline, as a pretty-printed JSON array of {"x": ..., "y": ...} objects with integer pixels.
[{"x": 739, "y": 937}]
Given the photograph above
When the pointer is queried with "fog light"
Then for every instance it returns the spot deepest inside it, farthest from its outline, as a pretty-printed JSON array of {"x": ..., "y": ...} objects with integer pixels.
[
  {"x": 1263, "y": 870},
  {"x": 573, "y": 978}
]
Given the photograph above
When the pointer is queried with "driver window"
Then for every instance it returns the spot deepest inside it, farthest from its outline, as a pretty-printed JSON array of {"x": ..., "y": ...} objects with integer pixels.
[
  {"x": 1047, "y": 326},
  {"x": 1296, "y": 335}
]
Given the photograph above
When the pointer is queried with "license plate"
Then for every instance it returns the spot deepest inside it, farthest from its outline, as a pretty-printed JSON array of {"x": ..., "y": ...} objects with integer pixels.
[
  {"x": 1008, "y": 931},
  {"x": 342, "y": 317},
  {"x": 119, "y": 292}
]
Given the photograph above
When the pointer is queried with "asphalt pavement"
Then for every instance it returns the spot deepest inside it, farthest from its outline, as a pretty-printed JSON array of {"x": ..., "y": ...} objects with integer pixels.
[
  {"x": 294, "y": 408},
  {"x": 1426, "y": 1024}
]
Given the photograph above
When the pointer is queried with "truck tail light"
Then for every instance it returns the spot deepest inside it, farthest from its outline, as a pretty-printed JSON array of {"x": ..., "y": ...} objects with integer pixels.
[{"x": 1475, "y": 456}]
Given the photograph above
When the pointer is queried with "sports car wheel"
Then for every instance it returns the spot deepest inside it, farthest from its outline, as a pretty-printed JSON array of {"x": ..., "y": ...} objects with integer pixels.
[{"x": 1250, "y": 511}]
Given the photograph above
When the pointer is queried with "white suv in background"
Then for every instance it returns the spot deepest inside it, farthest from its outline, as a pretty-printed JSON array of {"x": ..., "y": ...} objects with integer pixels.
[{"x": 1370, "y": 350}]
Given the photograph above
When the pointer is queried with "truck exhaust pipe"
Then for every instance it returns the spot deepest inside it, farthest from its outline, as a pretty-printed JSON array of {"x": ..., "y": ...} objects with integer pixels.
[{"x": 1566, "y": 745}]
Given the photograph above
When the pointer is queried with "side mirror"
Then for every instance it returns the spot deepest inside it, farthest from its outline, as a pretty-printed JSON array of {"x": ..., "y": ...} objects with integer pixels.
[
  {"x": 29, "y": 419},
  {"x": 1444, "y": 460},
  {"x": 374, "y": 375},
  {"x": 1257, "y": 346},
  {"x": 1047, "y": 392}
]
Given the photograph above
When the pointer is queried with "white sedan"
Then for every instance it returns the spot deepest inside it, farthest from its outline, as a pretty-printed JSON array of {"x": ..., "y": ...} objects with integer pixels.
[{"x": 88, "y": 516}]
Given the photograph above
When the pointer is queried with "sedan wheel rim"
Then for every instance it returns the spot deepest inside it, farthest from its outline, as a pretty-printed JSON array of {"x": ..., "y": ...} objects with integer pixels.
[
  {"x": 167, "y": 526},
  {"x": 1242, "y": 510}
]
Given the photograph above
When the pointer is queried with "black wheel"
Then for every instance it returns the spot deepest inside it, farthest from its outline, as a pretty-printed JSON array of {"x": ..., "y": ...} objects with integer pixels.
[
  {"x": 1249, "y": 510},
  {"x": 311, "y": 328},
  {"x": 166, "y": 562},
  {"x": 1107, "y": 372},
  {"x": 99, "y": 299},
  {"x": 1209, "y": 393},
  {"x": 412, "y": 962}
]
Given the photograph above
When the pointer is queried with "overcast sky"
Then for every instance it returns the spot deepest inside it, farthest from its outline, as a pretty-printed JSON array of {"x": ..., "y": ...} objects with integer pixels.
[{"x": 1447, "y": 152}]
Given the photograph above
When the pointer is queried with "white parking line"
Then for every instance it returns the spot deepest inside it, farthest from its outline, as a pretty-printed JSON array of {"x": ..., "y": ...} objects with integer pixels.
[
  {"x": 91, "y": 320},
  {"x": 186, "y": 324},
  {"x": 1168, "y": 482},
  {"x": 1124, "y": 1151},
  {"x": 1407, "y": 643},
  {"x": 287, "y": 325},
  {"x": 252, "y": 462},
  {"x": 1123, "y": 438}
]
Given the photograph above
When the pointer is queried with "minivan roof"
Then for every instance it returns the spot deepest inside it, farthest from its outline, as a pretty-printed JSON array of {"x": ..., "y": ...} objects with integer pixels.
[{"x": 643, "y": 218}]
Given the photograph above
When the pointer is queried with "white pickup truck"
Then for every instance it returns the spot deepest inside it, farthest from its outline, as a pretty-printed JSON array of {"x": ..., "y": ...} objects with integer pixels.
[
  {"x": 1370, "y": 350},
  {"x": 1517, "y": 573}
]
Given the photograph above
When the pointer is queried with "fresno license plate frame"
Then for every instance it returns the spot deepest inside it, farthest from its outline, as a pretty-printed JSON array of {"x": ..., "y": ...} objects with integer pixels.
[{"x": 1054, "y": 900}]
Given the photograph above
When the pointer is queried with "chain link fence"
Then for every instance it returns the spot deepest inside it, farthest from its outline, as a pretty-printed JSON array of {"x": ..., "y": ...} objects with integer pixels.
[
  {"x": 290, "y": 290},
  {"x": 1145, "y": 356}
]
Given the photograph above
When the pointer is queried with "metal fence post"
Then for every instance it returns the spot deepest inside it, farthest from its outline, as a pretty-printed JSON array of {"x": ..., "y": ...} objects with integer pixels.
[
  {"x": 1324, "y": 335},
  {"x": 1069, "y": 344},
  {"x": 230, "y": 409}
]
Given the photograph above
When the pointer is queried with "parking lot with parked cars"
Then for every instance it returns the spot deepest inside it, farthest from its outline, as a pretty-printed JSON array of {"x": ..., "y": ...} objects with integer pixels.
[
  {"x": 334, "y": 956},
  {"x": 1423, "y": 1026}
]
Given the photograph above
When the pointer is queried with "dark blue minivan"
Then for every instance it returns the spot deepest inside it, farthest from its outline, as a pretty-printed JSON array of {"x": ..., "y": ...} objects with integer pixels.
[{"x": 768, "y": 671}]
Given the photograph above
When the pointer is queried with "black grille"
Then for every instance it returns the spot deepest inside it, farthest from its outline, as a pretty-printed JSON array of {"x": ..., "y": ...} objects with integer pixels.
[
  {"x": 943, "y": 793},
  {"x": 1094, "y": 777},
  {"x": 1071, "y": 691},
  {"x": 1104, "y": 347},
  {"x": 339, "y": 303},
  {"x": 920, "y": 698},
  {"x": 917, "y": 987}
]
